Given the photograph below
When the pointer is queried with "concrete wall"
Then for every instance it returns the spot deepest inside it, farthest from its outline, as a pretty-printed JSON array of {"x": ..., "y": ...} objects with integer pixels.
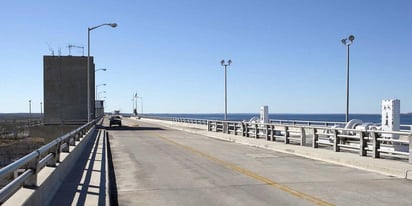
[{"x": 65, "y": 89}]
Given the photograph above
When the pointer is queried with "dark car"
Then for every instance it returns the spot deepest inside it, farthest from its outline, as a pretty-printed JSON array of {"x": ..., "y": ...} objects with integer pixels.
[{"x": 115, "y": 120}]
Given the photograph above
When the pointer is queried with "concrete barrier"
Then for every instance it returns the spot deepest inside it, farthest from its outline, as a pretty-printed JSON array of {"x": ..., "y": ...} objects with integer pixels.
[{"x": 50, "y": 179}]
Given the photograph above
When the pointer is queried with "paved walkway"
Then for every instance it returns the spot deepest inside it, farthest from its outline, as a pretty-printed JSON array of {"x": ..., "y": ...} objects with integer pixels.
[{"x": 87, "y": 182}]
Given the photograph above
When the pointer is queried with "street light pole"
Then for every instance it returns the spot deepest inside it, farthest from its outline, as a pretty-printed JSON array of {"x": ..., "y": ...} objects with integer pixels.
[
  {"x": 88, "y": 64},
  {"x": 97, "y": 86},
  {"x": 133, "y": 105},
  {"x": 141, "y": 105},
  {"x": 136, "y": 104},
  {"x": 347, "y": 42},
  {"x": 98, "y": 94},
  {"x": 29, "y": 112},
  {"x": 225, "y": 65},
  {"x": 41, "y": 112}
]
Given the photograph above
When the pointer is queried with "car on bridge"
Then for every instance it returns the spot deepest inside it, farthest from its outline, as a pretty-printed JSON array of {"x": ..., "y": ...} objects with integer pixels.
[{"x": 115, "y": 120}]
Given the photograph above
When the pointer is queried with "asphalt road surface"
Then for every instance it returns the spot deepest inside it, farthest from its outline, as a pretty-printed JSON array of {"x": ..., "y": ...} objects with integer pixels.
[{"x": 155, "y": 165}]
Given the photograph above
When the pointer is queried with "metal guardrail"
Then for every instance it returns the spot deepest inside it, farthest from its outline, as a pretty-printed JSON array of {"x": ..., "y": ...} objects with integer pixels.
[
  {"x": 404, "y": 127},
  {"x": 377, "y": 143},
  {"x": 190, "y": 120},
  {"x": 303, "y": 122},
  {"x": 24, "y": 171},
  {"x": 182, "y": 120}
]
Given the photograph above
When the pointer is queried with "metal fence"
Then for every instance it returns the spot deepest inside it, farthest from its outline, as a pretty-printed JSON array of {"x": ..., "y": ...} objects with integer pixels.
[
  {"x": 24, "y": 171},
  {"x": 182, "y": 120},
  {"x": 308, "y": 123},
  {"x": 365, "y": 142},
  {"x": 403, "y": 127}
]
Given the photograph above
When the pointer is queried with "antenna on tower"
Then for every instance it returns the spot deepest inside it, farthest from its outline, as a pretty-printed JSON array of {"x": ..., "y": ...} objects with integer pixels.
[
  {"x": 70, "y": 46},
  {"x": 50, "y": 49}
]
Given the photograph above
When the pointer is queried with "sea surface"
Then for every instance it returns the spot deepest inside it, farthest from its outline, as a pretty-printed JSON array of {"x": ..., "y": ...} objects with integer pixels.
[{"x": 406, "y": 119}]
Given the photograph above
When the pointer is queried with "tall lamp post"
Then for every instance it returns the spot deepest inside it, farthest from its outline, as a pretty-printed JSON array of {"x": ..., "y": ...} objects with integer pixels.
[
  {"x": 135, "y": 97},
  {"x": 88, "y": 63},
  {"x": 41, "y": 110},
  {"x": 29, "y": 112},
  {"x": 97, "y": 86},
  {"x": 347, "y": 41},
  {"x": 141, "y": 106},
  {"x": 98, "y": 94},
  {"x": 225, "y": 65}
]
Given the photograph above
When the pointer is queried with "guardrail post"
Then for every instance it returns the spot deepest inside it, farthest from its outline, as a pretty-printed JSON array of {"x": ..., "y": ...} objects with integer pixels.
[
  {"x": 272, "y": 132},
  {"x": 72, "y": 140},
  {"x": 31, "y": 182},
  {"x": 267, "y": 128},
  {"x": 77, "y": 137},
  {"x": 256, "y": 131},
  {"x": 286, "y": 135},
  {"x": 208, "y": 126},
  {"x": 315, "y": 138},
  {"x": 362, "y": 144},
  {"x": 410, "y": 148},
  {"x": 225, "y": 128},
  {"x": 214, "y": 124},
  {"x": 67, "y": 148},
  {"x": 376, "y": 145},
  {"x": 302, "y": 136},
  {"x": 246, "y": 129},
  {"x": 336, "y": 141}
]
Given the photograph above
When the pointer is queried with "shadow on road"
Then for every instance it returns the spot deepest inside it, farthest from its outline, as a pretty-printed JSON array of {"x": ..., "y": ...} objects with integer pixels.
[{"x": 127, "y": 128}]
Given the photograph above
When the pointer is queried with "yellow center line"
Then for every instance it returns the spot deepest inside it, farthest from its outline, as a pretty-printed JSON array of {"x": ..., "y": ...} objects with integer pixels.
[{"x": 251, "y": 174}]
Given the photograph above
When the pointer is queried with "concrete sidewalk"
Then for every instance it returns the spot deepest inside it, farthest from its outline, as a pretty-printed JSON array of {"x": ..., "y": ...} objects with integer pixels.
[
  {"x": 395, "y": 168},
  {"x": 87, "y": 183}
]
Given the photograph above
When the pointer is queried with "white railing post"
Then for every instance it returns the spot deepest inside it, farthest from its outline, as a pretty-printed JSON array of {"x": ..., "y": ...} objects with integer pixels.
[
  {"x": 362, "y": 144},
  {"x": 256, "y": 131},
  {"x": 410, "y": 148},
  {"x": 286, "y": 135},
  {"x": 336, "y": 141},
  {"x": 376, "y": 144},
  {"x": 315, "y": 138},
  {"x": 302, "y": 136}
]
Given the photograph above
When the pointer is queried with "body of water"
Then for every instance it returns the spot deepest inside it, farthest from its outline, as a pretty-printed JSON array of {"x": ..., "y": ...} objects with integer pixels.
[{"x": 406, "y": 119}]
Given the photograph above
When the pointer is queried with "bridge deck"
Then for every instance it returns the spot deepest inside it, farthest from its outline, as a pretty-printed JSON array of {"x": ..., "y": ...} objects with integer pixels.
[{"x": 155, "y": 165}]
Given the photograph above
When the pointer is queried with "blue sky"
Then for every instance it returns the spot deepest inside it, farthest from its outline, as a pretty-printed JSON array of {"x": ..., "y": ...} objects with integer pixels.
[{"x": 286, "y": 54}]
